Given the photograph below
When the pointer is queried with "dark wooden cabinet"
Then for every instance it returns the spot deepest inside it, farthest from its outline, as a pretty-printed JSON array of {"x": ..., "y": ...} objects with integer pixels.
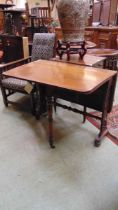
[
  {"x": 105, "y": 12},
  {"x": 2, "y": 18},
  {"x": 11, "y": 20},
  {"x": 96, "y": 12},
  {"x": 13, "y": 47},
  {"x": 15, "y": 16}
]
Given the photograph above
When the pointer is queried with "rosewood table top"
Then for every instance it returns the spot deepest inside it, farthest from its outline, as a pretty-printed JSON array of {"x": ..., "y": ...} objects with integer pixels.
[{"x": 63, "y": 75}]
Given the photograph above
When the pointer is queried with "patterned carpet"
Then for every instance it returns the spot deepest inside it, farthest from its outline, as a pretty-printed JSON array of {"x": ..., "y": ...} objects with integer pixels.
[{"x": 112, "y": 125}]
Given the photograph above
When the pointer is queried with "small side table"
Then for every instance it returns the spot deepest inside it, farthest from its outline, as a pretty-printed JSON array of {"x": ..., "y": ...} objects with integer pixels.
[
  {"x": 110, "y": 54},
  {"x": 88, "y": 60}
]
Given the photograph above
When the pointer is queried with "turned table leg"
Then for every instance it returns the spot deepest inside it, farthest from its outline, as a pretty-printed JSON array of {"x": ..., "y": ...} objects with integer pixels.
[
  {"x": 103, "y": 128},
  {"x": 50, "y": 121}
]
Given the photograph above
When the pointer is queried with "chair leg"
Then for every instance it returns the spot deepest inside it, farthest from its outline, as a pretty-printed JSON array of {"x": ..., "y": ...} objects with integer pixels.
[
  {"x": 4, "y": 96},
  {"x": 84, "y": 114},
  {"x": 32, "y": 102},
  {"x": 55, "y": 108},
  {"x": 40, "y": 104}
]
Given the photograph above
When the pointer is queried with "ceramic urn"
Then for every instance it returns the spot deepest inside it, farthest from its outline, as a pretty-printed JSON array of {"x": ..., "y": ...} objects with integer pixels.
[{"x": 73, "y": 16}]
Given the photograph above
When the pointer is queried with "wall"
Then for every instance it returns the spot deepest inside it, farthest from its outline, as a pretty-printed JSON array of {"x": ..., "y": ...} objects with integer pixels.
[{"x": 21, "y": 3}]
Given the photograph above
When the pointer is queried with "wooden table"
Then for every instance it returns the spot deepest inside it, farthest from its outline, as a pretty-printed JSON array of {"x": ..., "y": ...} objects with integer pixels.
[
  {"x": 88, "y": 60},
  {"x": 111, "y": 57},
  {"x": 87, "y": 86}
]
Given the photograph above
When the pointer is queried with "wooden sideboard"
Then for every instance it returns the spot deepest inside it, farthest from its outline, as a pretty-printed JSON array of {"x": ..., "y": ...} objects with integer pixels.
[{"x": 102, "y": 36}]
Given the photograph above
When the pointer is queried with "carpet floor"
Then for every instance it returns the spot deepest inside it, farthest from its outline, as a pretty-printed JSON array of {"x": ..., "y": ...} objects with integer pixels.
[
  {"x": 73, "y": 176},
  {"x": 112, "y": 123}
]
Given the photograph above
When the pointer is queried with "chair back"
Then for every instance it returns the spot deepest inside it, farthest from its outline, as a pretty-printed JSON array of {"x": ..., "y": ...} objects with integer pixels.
[
  {"x": 41, "y": 15},
  {"x": 41, "y": 12},
  {"x": 43, "y": 46}
]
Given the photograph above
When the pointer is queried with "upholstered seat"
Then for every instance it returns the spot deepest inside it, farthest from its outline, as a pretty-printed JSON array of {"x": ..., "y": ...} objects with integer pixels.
[{"x": 14, "y": 83}]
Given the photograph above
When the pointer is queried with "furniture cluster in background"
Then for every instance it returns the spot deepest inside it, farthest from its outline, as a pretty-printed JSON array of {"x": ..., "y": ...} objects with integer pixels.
[
  {"x": 22, "y": 22},
  {"x": 16, "y": 23},
  {"x": 103, "y": 29},
  {"x": 38, "y": 21},
  {"x": 103, "y": 36}
]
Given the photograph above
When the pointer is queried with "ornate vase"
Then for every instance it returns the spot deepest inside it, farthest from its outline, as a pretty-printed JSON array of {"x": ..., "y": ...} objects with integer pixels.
[{"x": 73, "y": 16}]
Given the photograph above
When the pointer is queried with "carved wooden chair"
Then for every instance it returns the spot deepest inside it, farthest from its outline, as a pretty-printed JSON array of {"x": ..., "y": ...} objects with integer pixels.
[
  {"x": 43, "y": 48},
  {"x": 13, "y": 54},
  {"x": 41, "y": 15},
  {"x": 11, "y": 85}
]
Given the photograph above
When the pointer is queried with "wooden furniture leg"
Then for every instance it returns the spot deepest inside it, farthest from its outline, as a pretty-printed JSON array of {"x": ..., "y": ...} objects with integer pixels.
[
  {"x": 4, "y": 96},
  {"x": 103, "y": 128},
  {"x": 50, "y": 121},
  {"x": 84, "y": 114},
  {"x": 39, "y": 101}
]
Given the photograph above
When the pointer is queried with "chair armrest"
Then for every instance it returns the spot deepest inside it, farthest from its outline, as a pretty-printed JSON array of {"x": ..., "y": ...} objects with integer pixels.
[
  {"x": 13, "y": 64},
  {"x": 6, "y": 66}
]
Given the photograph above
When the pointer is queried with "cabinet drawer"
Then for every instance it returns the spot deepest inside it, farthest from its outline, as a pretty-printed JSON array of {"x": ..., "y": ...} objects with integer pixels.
[
  {"x": 89, "y": 35},
  {"x": 104, "y": 36}
]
